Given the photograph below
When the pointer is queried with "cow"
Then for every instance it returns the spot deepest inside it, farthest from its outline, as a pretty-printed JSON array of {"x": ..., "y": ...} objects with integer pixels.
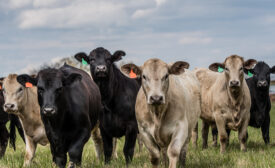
[
  {"x": 22, "y": 101},
  {"x": 70, "y": 104},
  {"x": 5, "y": 135},
  {"x": 167, "y": 108},
  {"x": 260, "y": 101},
  {"x": 226, "y": 99},
  {"x": 118, "y": 97}
]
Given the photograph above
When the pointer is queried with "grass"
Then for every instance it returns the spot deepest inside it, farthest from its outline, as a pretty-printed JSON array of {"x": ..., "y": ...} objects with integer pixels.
[{"x": 257, "y": 155}]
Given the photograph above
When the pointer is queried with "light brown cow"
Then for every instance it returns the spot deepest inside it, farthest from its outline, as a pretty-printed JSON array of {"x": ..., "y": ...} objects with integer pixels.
[
  {"x": 167, "y": 108},
  {"x": 23, "y": 102},
  {"x": 225, "y": 99}
]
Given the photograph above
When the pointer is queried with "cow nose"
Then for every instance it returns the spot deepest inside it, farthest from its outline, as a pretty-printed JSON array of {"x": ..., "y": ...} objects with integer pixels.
[
  {"x": 262, "y": 83},
  {"x": 156, "y": 99},
  {"x": 101, "y": 68},
  {"x": 9, "y": 106},
  {"x": 234, "y": 83},
  {"x": 48, "y": 110}
]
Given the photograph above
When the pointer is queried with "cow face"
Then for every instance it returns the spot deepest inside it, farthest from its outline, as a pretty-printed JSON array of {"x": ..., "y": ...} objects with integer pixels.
[
  {"x": 261, "y": 74},
  {"x": 155, "y": 78},
  {"x": 51, "y": 85},
  {"x": 14, "y": 94},
  {"x": 100, "y": 61},
  {"x": 234, "y": 67}
]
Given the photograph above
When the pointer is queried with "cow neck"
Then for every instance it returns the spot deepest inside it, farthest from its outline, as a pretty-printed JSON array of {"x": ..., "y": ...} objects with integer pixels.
[
  {"x": 30, "y": 109},
  {"x": 158, "y": 112},
  {"x": 108, "y": 86},
  {"x": 262, "y": 94}
]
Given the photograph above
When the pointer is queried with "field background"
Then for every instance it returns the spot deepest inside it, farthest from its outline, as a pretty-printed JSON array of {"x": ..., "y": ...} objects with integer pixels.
[{"x": 257, "y": 155}]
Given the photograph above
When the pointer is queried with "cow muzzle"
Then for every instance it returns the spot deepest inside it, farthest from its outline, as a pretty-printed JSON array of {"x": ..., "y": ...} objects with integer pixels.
[
  {"x": 156, "y": 100},
  {"x": 234, "y": 84},
  {"x": 101, "y": 71},
  {"x": 49, "y": 111},
  {"x": 10, "y": 108},
  {"x": 262, "y": 83}
]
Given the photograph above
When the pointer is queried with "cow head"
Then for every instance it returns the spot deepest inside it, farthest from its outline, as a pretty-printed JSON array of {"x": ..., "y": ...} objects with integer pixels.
[
  {"x": 51, "y": 85},
  {"x": 155, "y": 78},
  {"x": 261, "y": 74},
  {"x": 100, "y": 61},
  {"x": 14, "y": 94},
  {"x": 234, "y": 67}
]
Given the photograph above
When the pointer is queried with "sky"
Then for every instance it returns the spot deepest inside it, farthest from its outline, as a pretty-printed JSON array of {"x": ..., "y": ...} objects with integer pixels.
[{"x": 34, "y": 32}]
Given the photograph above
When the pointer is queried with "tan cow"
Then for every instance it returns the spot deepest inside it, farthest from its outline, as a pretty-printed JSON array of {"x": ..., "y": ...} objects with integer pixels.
[
  {"x": 225, "y": 99},
  {"x": 23, "y": 102},
  {"x": 167, "y": 108}
]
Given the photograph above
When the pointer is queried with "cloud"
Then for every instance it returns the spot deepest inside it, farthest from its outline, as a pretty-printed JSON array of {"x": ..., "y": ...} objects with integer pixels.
[
  {"x": 140, "y": 13},
  {"x": 195, "y": 38},
  {"x": 77, "y": 14},
  {"x": 14, "y": 4}
]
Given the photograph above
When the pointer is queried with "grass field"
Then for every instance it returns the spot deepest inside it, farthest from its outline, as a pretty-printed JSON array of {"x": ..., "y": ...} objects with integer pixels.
[{"x": 257, "y": 155}]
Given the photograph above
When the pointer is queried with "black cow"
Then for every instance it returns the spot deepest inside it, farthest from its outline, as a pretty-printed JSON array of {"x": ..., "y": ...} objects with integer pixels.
[
  {"x": 118, "y": 97},
  {"x": 70, "y": 105},
  {"x": 260, "y": 101},
  {"x": 14, "y": 123}
]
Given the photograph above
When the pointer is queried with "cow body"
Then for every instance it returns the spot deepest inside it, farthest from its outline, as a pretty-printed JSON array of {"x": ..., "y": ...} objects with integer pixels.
[
  {"x": 118, "y": 97},
  {"x": 167, "y": 109},
  {"x": 260, "y": 100},
  {"x": 225, "y": 100},
  {"x": 23, "y": 103},
  {"x": 5, "y": 135},
  {"x": 70, "y": 105}
]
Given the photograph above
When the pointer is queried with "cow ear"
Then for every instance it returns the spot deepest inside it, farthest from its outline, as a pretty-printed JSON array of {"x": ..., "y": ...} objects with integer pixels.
[
  {"x": 117, "y": 55},
  {"x": 249, "y": 64},
  {"x": 71, "y": 79},
  {"x": 215, "y": 66},
  {"x": 82, "y": 57},
  {"x": 26, "y": 80},
  {"x": 272, "y": 70},
  {"x": 131, "y": 70},
  {"x": 1, "y": 83},
  {"x": 178, "y": 67}
]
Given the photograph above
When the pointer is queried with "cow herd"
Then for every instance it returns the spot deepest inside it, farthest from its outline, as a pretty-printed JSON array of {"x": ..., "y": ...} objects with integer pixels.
[{"x": 159, "y": 107}]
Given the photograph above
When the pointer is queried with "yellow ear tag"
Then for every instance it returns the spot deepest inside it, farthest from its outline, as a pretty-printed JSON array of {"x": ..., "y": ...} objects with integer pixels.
[
  {"x": 132, "y": 74},
  {"x": 28, "y": 85}
]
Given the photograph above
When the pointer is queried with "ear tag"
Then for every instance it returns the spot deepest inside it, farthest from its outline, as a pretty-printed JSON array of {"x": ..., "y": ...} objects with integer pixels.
[
  {"x": 249, "y": 74},
  {"x": 132, "y": 74},
  {"x": 28, "y": 85},
  {"x": 220, "y": 69},
  {"x": 84, "y": 62},
  {"x": 0, "y": 87}
]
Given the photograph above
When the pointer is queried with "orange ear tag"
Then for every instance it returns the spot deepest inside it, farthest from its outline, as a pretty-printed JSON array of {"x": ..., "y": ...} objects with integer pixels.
[
  {"x": 28, "y": 85},
  {"x": 132, "y": 74},
  {"x": 0, "y": 87}
]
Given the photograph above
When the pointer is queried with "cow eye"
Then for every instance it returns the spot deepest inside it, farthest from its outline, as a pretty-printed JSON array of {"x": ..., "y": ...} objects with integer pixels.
[
  {"x": 20, "y": 90},
  {"x": 144, "y": 77},
  {"x": 165, "y": 77},
  {"x": 241, "y": 68},
  {"x": 226, "y": 69},
  {"x": 40, "y": 91}
]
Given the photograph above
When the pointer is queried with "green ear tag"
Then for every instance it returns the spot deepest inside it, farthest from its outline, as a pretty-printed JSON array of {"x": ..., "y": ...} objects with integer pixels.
[
  {"x": 220, "y": 69},
  {"x": 84, "y": 62},
  {"x": 249, "y": 74}
]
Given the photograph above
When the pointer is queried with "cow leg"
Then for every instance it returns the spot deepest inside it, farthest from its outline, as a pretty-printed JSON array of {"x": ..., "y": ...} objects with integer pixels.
[
  {"x": 215, "y": 136},
  {"x": 140, "y": 145},
  {"x": 130, "y": 142},
  {"x": 183, "y": 155},
  {"x": 114, "y": 153},
  {"x": 153, "y": 148},
  {"x": 228, "y": 134},
  {"x": 178, "y": 141},
  {"x": 265, "y": 129},
  {"x": 30, "y": 150},
  {"x": 205, "y": 129},
  {"x": 107, "y": 145},
  {"x": 4, "y": 137},
  {"x": 195, "y": 135},
  {"x": 242, "y": 134},
  {"x": 222, "y": 132},
  {"x": 97, "y": 142},
  {"x": 61, "y": 159},
  {"x": 75, "y": 150},
  {"x": 164, "y": 156}
]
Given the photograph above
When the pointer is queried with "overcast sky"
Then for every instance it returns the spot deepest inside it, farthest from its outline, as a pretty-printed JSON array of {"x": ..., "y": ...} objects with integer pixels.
[{"x": 200, "y": 32}]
